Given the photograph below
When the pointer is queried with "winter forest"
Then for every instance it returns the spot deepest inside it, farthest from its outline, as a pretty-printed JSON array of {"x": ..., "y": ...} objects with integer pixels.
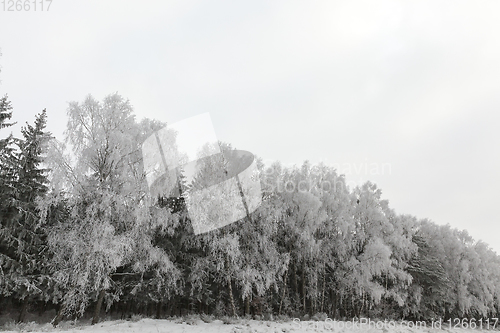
[{"x": 81, "y": 236}]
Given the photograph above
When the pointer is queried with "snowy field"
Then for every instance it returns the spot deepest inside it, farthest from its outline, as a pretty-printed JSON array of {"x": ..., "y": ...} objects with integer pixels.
[{"x": 242, "y": 326}]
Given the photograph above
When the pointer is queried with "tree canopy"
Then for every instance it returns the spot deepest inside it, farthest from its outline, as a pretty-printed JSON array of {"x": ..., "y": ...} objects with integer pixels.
[{"x": 81, "y": 232}]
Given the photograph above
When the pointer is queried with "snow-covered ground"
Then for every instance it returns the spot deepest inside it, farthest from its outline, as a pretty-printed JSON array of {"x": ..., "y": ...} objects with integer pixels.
[{"x": 244, "y": 326}]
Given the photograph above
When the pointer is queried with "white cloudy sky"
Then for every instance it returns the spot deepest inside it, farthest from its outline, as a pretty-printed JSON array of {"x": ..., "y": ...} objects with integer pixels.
[{"x": 414, "y": 84}]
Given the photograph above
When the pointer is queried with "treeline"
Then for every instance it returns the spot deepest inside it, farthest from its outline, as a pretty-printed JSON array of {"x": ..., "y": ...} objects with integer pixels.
[{"x": 80, "y": 233}]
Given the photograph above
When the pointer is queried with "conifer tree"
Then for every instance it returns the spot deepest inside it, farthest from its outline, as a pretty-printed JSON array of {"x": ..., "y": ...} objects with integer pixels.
[
  {"x": 8, "y": 167},
  {"x": 32, "y": 185},
  {"x": 23, "y": 237}
]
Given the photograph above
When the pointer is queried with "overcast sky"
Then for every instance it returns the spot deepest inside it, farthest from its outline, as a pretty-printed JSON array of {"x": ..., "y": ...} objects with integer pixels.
[{"x": 414, "y": 85}]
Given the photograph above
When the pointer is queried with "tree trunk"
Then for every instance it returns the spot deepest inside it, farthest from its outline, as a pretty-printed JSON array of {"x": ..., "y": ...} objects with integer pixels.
[
  {"x": 24, "y": 310},
  {"x": 314, "y": 305},
  {"x": 97, "y": 310},
  {"x": 247, "y": 306},
  {"x": 128, "y": 310},
  {"x": 323, "y": 291},
  {"x": 231, "y": 296},
  {"x": 304, "y": 287},
  {"x": 294, "y": 282},
  {"x": 159, "y": 306},
  {"x": 59, "y": 316},
  {"x": 334, "y": 303},
  {"x": 283, "y": 295}
]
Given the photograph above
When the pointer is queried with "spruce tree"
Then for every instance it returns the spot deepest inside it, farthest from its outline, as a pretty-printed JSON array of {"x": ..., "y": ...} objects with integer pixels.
[
  {"x": 23, "y": 239},
  {"x": 7, "y": 193}
]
